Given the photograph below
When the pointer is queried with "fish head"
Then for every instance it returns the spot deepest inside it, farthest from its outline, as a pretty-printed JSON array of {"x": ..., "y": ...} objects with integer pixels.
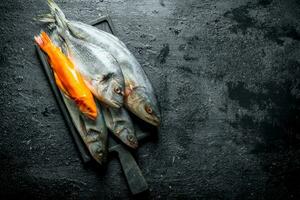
[
  {"x": 144, "y": 105},
  {"x": 98, "y": 152},
  {"x": 128, "y": 137},
  {"x": 88, "y": 107},
  {"x": 110, "y": 90}
]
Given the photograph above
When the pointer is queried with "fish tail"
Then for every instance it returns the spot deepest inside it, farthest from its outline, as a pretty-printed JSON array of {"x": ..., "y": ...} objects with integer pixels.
[
  {"x": 45, "y": 18},
  {"x": 43, "y": 41},
  {"x": 57, "y": 14}
]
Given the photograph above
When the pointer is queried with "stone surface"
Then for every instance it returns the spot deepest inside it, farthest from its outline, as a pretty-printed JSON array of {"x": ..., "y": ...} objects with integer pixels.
[{"x": 226, "y": 74}]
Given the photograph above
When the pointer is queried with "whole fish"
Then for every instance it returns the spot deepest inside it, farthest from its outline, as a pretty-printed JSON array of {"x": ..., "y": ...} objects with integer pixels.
[
  {"x": 139, "y": 94},
  {"x": 119, "y": 123},
  {"x": 67, "y": 78},
  {"x": 93, "y": 133}
]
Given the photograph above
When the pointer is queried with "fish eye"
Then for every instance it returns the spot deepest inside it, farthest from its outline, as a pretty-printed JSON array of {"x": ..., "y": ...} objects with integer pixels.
[
  {"x": 148, "y": 109},
  {"x": 117, "y": 90}
]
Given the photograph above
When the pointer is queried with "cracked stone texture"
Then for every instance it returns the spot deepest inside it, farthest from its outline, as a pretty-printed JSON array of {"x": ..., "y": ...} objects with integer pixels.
[{"x": 226, "y": 74}]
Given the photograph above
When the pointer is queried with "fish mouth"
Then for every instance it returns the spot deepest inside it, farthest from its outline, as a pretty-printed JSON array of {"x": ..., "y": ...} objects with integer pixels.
[
  {"x": 111, "y": 102},
  {"x": 99, "y": 157},
  {"x": 114, "y": 104},
  {"x": 92, "y": 116},
  {"x": 155, "y": 121},
  {"x": 132, "y": 141},
  {"x": 99, "y": 154}
]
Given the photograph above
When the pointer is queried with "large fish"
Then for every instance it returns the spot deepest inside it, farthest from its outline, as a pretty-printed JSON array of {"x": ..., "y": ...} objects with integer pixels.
[
  {"x": 119, "y": 123},
  {"x": 67, "y": 78},
  {"x": 139, "y": 94}
]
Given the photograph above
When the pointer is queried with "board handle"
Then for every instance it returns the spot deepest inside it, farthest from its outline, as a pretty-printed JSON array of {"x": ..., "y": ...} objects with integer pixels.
[{"x": 133, "y": 174}]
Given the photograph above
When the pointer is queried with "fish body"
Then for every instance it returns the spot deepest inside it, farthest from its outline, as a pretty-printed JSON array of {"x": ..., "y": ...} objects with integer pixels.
[
  {"x": 120, "y": 124},
  {"x": 67, "y": 78},
  {"x": 99, "y": 69},
  {"x": 139, "y": 94}
]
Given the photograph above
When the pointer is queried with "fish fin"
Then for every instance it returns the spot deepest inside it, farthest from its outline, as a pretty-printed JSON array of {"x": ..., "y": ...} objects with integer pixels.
[
  {"x": 56, "y": 17},
  {"x": 108, "y": 118},
  {"x": 127, "y": 92},
  {"x": 45, "y": 18},
  {"x": 60, "y": 85},
  {"x": 51, "y": 26},
  {"x": 83, "y": 126}
]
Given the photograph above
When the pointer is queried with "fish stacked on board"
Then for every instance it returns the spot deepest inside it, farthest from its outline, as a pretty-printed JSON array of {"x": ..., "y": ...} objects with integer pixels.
[{"x": 89, "y": 62}]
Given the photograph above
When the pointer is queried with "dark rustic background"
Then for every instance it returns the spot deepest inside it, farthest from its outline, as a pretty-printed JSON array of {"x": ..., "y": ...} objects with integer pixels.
[{"x": 226, "y": 74}]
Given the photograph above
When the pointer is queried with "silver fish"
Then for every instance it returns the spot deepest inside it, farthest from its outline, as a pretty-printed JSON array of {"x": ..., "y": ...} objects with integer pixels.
[
  {"x": 119, "y": 123},
  {"x": 139, "y": 94}
]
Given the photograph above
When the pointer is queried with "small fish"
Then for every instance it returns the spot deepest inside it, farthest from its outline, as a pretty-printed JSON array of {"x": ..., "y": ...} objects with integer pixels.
[
  {"x": 119, "y": 123},
  {"x": 139, "y": 94},
  {"x": 67, "y": 78}
]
